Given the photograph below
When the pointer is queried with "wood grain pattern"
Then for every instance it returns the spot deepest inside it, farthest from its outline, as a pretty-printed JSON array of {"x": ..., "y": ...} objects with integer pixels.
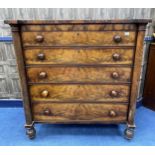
[
  {"x": 78, "y": 113},
  {"x": 78, "y": 74},
  {"x": 10, "y": 83},
  {"x": 80, "y": 27},
  {"x": 136, "y": 77},
  {"x": 79, "y": 56},
  {"x": 79, "y": 92},
  {"x": 78, "y": 38},
  {"x": 23, "y": 79}
]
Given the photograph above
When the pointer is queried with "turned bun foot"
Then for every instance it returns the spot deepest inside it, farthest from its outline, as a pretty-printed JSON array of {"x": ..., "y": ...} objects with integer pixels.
[
  {"x": 31, "y": 132},
  {"x": 129, "y": 133}
]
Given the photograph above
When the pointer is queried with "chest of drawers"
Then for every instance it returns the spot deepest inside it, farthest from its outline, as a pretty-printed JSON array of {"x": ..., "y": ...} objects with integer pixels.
[{"x": 79, "y": 71}]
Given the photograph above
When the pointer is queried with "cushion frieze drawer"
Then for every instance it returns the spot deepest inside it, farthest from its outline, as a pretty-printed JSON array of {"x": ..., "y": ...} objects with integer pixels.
[
  {"x": 106, "y": 38},
  {"x": 79, "y": 27},
  {"x": 82, "y": 112},
  {"x": 52, "y": 74},
  {"x": 79, "y": 92},
  {"x": 79, "y": 56}
]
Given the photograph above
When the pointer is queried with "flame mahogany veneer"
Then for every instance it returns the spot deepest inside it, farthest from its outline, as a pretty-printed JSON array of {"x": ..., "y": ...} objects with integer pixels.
[{"x": 79, "y": 71}]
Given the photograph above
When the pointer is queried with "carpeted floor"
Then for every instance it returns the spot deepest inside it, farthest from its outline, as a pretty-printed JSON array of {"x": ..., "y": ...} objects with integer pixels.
[{"x": 12, "y": 131}]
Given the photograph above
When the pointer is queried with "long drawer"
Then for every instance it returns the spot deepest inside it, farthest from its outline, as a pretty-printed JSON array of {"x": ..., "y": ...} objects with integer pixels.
[
  {"x": 79, "y": 92},
  {"x": 72, "y": 113},
  {"x": 50, "y": 74},
  {"x": 101, "y": 38},
  {"x": 79, "y": 56}
]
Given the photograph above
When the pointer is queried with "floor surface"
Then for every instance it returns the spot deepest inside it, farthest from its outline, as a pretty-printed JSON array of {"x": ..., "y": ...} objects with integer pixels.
[{"x": 12, "y": 131}]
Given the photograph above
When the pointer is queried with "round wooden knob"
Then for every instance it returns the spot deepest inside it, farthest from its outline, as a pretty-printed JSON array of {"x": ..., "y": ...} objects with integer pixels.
[
  {"x": 115, "y": 75},
  {"x": 116, "y": 56},
  {"x": 117, "y": 39},
  {"x": 44, "y": 93},
  {"x": 41, "y": 56},
  {"x": 114, "y": 93},
  {"x": 42, "y": 75},
  {"x": 46, "y": 112},
  {"x": 112, "y": 113},
  {"x": 39, "y": 38}
]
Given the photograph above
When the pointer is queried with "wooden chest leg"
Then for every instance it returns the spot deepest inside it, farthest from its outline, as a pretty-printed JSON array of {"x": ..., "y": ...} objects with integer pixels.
[
  {"x": 129, "y": 133},
  {"x": 30, "y": 131}
]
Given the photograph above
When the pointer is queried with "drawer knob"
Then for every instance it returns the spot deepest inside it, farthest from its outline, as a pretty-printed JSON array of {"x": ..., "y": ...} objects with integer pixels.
[
  {"x": 114, "y": 93},
  {"x": 116, "y": 56},
  {"x": 41, "y": 56},
  {"x": 117, "y": 39},
  {"x": 46, "y": 112},
  {"x": 112, "y": 113},
  {"x": 115, "y": 75},
  {"x": 44, "y": 93},
  {"x": 42, "y": 75},
  {"x": 39, "y": 38}
]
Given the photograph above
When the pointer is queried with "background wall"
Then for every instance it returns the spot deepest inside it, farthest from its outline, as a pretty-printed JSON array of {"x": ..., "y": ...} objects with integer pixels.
[{"x": 9, "y": 79}]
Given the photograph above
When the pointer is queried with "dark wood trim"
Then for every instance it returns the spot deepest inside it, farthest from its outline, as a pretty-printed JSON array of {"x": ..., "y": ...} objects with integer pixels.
[
  {"x": 80, "y": 65},
  {"x": 135, "y": 77},
  {"x": 43, "y": 22},
  {"x": 15, "y": 29},
  {"x": 79, "y": 47},
  {"x": 22, "y": 73},
  {"x": 142, "y": 27},
  {"x": 81, "y": 83},
  {"x": 81, "y": 122},
  {"x": 72, "y": 102}
]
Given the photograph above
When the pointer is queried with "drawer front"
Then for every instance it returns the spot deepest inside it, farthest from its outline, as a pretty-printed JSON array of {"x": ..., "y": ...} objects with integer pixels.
[
  {"x": 79, "y": 92},
  {"x": 79, "y": 56},
  {"x": 78, "y": 74},
  {"x": 79, "y": 27},
  {"x": 70, "y": 112},
  {"x": 103, "y": 38}
]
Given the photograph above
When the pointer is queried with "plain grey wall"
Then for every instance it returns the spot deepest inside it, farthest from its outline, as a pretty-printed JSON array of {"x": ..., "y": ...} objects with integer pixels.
[{"x": 9, "y": 80}]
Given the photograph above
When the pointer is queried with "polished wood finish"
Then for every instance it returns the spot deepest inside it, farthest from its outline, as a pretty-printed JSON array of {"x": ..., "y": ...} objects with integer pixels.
[
  {"x": 44, "y": 74},
  {"x": 117, "y": 38},
  {"x": 136, "y": 77},
  {"x": 79, "y": 71},
  {"x": 80, "y": 113},
  {"x": 149, "y": 86},
  {"x": 39, "y": 38},
  {"x": 41, "y": 56},
  {"x": 79, "y": 56},
  {"x": 44, "y": 93},
  {"x": 23, "y": 79},
  {"x": 79, "y": 92},
  {"x": 103, "y": 38},
  {"x": 79, "y": 27}
]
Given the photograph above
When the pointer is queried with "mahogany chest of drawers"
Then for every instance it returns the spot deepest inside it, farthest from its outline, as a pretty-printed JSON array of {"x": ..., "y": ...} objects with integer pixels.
[{"x": 79, "y": 71}]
